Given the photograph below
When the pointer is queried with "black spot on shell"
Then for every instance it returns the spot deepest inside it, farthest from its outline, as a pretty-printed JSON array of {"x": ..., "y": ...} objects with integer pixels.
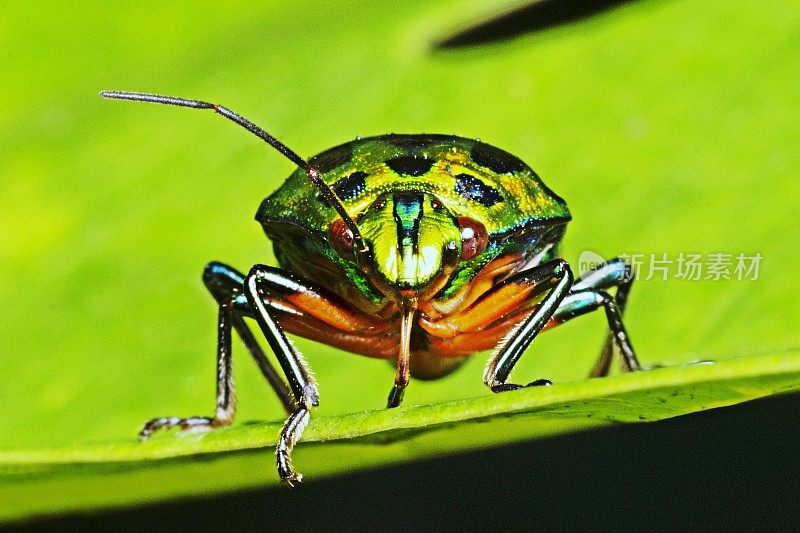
[
  {"x": 350, "y": 186},
  {"x": 409, "y": 165},
  {"x": 496, "y": 159},
  {"x": 330, "y": 159},
  {"x": 472, "y": 188}
]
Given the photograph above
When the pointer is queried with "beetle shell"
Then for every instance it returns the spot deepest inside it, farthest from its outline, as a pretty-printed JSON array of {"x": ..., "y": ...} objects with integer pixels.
[{"x": 469, "y": 177}]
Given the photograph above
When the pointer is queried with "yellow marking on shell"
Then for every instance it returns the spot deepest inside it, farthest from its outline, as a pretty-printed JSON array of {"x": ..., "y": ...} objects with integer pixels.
[
  {"x": 410, "y": 265},
  {"x": 390, "y": 266},
  {"x": 456, "y": 157},
  {"x": 430, "y": 257},
  {"x": 522, "y": 195},
  {"x": 421, "y": 266}
]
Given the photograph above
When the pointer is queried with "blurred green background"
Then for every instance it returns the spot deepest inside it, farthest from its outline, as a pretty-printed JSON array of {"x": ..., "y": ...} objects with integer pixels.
[{"x": 669, "y": 127}]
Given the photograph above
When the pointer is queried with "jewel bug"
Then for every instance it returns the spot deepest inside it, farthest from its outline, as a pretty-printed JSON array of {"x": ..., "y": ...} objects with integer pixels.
[{"x": 422, "y": 249}]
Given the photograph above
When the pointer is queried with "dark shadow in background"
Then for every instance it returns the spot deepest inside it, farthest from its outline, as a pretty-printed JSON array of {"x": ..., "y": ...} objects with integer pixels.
[
  {"x": 535, "y": 17},
  {"x": 732, "y": 468}
]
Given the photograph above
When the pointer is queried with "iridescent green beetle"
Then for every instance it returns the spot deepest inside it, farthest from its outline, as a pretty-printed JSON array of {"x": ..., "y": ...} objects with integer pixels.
[{"x": 424, "y": 249}]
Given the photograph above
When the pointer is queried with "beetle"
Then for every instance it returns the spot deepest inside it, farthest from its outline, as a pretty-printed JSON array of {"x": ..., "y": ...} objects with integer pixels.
[{"x": 422, "y": 249}]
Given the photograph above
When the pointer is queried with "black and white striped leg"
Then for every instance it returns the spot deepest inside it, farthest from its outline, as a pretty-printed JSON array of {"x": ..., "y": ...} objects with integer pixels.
[
  {"x": 226, "y": 398},
  {"x": 301, "y": 382},
  {"x": 553, "y": 277},
  {"x": 226, "y": 284},
  {"x": 583, "y": 302},
  {"x": 614, "y": 273}
]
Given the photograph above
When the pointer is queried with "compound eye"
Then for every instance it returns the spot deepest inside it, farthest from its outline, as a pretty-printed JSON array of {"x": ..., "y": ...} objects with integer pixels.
[
  {"x": 474, "y": 237},
  {"x": 341, "y": 238}
]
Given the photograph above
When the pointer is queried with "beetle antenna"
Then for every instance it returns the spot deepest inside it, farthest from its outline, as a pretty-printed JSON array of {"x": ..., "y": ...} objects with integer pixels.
[{"x": 311, "y": 172}]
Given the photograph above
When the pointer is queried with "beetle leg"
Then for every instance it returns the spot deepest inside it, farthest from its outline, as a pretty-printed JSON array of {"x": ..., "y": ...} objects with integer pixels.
[
  {"x": 301, "y": 382},
  {"x": 554, "y": 276},
  {"x": 226, "y": 285},
  {"x": 614, "y": 273},
  {"x": 226, "y": 399},
  {"x": 580, "y": 303},
  {"x": 403, "y": 368}
]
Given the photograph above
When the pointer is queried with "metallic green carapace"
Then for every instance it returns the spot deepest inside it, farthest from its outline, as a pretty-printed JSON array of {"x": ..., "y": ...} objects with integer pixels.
[
  {"x": 407, "y": 176},
  {"x": 419, "y": 249}
]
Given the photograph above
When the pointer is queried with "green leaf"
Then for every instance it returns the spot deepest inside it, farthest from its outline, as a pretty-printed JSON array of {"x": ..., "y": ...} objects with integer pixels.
[
  {"x": 173, "y": 465},
  {"x": 669, "y": 127}
]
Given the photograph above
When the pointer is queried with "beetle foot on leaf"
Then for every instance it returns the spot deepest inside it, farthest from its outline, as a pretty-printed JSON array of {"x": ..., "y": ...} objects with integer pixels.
[
  {"x": 292, "y": 479},
  {"x": 395, "y": 397},
  {"x": 194, "y": 423},
  {"x": 540, "y": 383},
  {"x": 503, "y": 387},
  {"x": 290, "y": 434}
]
